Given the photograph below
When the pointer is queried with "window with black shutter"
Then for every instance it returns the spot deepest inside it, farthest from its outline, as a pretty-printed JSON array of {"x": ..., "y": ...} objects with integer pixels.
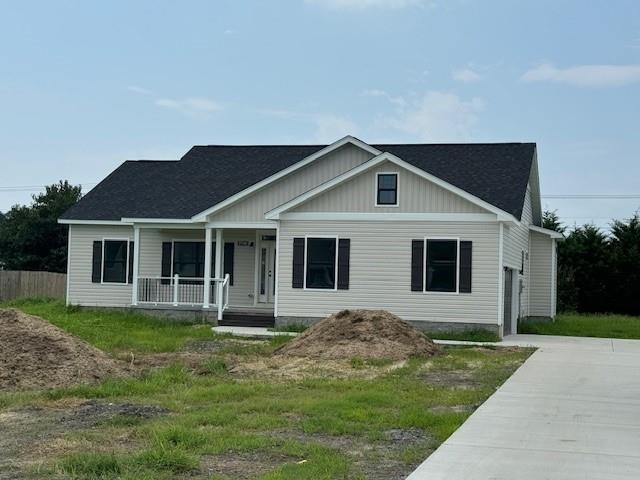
[
  {"x": 115, "y": 261},
  {"x": 321, "y": 263},
  {"x": 441, "y": 265}
]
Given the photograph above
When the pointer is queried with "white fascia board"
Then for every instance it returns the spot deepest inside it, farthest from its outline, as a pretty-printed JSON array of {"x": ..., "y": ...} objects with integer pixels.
[
  {"x": 323, "y": 187},
  {"x": 545, "y": 231},
  {"x": 157, "y": 220},
  {"x": 66, "y": 221},
  {"x": 202, "y": 216},
  {"x": 390, "y": 216},
  {"x": 247, "y": 225}
]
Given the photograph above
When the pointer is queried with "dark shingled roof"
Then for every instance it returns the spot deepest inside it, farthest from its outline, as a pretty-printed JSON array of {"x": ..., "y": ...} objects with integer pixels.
[{"x": 495, "y": 172}]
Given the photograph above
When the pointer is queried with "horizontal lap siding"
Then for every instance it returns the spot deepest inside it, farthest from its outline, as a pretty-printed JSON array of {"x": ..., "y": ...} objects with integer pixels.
[
  {"x": 415, "y": 194},
  {"x": 81, "y": 290},
  {"x": 380, "y": 273},
  {"x": 540, "y": 295},
  {"x": 253, "y": 208}
]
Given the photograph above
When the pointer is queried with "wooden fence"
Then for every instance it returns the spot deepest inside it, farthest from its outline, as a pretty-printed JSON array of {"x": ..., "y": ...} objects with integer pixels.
[{"x": 16, "y": 284}]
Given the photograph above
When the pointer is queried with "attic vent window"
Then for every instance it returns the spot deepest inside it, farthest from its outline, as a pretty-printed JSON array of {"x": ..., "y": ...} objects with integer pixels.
[{"x": 387, "y": 190}]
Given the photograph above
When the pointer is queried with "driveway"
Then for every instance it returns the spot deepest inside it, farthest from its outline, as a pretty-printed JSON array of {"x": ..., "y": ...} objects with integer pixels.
[{"x": 572, "y": 411}]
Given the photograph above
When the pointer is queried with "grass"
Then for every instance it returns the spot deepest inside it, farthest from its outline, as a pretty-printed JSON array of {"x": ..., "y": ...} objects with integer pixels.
[
  {"x": 308, "y": 426},
  {"x": 112, "y": 330},
  {"x": 585, "y": 325}
]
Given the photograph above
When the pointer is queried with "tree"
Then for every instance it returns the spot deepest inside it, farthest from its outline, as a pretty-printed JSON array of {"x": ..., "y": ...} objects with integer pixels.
[
  {"x": 30, "y": 236},
  {"x": 551, "y": 221},
  {"x": 625, "y": 265}
]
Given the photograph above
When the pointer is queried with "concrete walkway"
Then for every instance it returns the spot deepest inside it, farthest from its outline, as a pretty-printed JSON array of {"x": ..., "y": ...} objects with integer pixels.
[{"x": 572, "y": 411}]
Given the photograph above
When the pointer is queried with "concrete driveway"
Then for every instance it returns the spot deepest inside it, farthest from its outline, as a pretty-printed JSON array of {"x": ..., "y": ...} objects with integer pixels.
[{"x": 572, "y": 411}]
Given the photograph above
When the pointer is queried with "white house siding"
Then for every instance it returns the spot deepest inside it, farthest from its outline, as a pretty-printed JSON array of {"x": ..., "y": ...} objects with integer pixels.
[
  {"x": 242, "y": 290},
  {"x": 81, "y": 290},
  {"x": 253, "y": 208},
  {"x": 380, "y": 272},
  {"x": 415, "y": 194},
  {"x": 516, "y": 240},
  {"x": 542, "y": 295}
]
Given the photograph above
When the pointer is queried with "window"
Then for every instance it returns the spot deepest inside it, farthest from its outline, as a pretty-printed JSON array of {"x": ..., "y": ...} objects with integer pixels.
[
  {"x": 320, "y": 263},
  {"x": 387, "y": 189},
  {"x": 188, "y": 259},
  {"x": 441, "y": 263},
  {"x": 115, "y": 261}
]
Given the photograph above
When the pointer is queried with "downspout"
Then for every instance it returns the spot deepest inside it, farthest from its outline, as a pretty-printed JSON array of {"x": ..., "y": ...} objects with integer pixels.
[{"x": 500, "y": 278}]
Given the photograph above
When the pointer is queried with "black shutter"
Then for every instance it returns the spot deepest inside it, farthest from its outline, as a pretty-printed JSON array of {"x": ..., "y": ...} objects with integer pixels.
[
  {"x": 130, "y": 279},
  {"x": 417, "y": 265},
  {"x": 229, "y": 249},
  {"x": 96, "y": 266},
  {"x": 465, "y": 267},
  {"x": 344, "y": 247},
  {"x": 166, "y": 262},
  {"x": 298, "y": 263}
]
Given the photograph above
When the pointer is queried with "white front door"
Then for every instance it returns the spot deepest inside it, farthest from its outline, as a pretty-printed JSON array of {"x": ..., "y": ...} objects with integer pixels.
[{"x": 267, "y": 272}]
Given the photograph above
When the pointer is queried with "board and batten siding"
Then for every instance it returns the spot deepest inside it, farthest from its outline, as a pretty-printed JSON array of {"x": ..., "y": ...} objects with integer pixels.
[
  {"x": 380, "y": 272},
  {"x": 253, "y": 208},
  {"x": 415, "y": 194},
  {"x": 542, "y": 284},
  {"x": 81, "y": 290},
  {"x": 240, "y": 293}
]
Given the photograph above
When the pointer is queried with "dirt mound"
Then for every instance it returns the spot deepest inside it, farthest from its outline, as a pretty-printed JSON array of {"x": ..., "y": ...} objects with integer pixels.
[
  {"x": 360, "y": 333},
  {"x": 36, "y": 354}
]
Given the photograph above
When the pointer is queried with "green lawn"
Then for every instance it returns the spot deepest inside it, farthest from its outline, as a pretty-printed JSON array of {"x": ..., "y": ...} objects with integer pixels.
[
  {"x": 586, "y": 325},
  {"x": 236, "y": 415}
]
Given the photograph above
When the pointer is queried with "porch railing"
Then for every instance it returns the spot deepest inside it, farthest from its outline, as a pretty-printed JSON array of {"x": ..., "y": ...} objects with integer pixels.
[{"x": 183, "y": 291}]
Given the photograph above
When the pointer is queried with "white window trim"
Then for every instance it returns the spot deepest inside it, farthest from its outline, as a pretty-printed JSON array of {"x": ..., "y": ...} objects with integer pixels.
[
  {"x": 424, "y": 266},
  {"x": 126, "y": 277},
  {"x": 375, "y": 190},
  {"x": 335, "y": 279}
]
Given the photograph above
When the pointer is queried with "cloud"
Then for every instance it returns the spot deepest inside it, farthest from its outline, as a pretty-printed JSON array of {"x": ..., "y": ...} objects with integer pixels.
[
  {"x": 382, "y": 94},
  {"x": 365, "y": 4},
  {"x": 585, "y": 75},
  {"x": 328, "y": 127},
  {"x": 438, "y": 117},
  {"x": 466, "y": 75},
  {"x": 190, "y": 106},
  {"x": 139, "y": 90}
]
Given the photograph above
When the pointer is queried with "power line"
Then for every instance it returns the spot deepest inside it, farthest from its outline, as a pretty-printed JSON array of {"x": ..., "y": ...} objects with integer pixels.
[
  {"x": 34, "y": 188},
  {"x": 594, "y": 196}
]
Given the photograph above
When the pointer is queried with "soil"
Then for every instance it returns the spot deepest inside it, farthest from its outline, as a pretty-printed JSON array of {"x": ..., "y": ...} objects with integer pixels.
[
  {"x": 366, "y": 334},
  {"x": 36, "y": 354}
]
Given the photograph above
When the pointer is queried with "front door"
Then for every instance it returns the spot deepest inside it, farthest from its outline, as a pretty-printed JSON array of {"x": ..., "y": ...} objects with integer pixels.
[{"x": 267, "y": 272}]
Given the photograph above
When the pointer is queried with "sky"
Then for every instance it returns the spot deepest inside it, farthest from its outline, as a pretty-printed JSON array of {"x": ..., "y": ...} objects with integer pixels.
[{"x": 85, "y": 85}]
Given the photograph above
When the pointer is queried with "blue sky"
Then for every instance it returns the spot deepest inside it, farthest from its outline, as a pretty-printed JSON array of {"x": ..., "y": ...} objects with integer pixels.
[{"x": 87, "y": 85}]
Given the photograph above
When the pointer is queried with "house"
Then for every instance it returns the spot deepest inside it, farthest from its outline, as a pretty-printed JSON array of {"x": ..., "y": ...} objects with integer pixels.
[{"x": 447, "y": 236}]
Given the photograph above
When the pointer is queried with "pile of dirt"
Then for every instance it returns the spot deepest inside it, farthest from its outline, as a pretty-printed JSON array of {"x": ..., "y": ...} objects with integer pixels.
[
  {"x": 363, "y": 334},
  {"x": 36, "y": 354}
]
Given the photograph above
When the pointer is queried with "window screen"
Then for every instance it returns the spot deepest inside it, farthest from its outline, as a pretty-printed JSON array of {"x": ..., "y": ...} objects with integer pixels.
[
  {"x": 387, "y": 189},
  {"x": 114, "y": 268},
  {"x": 188, "y": 259},
  {"x": 442, "y": 259}
]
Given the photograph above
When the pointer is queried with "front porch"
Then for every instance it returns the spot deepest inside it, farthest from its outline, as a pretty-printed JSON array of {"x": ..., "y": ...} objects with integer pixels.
[{"x": 208, "y": 270}]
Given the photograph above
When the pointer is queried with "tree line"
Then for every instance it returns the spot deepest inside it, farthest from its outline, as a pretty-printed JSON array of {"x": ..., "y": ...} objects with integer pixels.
[{"x": 598, "y": 272}]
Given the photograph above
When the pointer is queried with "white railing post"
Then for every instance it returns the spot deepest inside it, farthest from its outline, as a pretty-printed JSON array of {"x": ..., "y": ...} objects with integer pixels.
[
  {"x": 136, "y": 264},
  {"x": 176, "y": 279},
  {"x": 219, "y": 286},
  {"x": 227, "y": 279},
  {"x": 206, "y": 298}
]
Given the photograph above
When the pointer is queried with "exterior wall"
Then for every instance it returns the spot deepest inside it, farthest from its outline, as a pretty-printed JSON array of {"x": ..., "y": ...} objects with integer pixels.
[
  {"x": 81, "y": 290},
  {"x": 542, "y": 284},
  {"x": 516, "y": 240},
  {"x": 253, "y": 208},
  {"x": 415, "y": 194},
  {"x": 380, "y": 272}
]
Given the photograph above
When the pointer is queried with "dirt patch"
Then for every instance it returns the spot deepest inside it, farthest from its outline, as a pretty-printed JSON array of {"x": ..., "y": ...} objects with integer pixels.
[
  {"x": 204, "y": 346},
  {"x": 363, "y": 334},
  {"x": 242, "y": 465},
  {"x": 93, "y": 413},
  {"x": 36, "y": 354}
]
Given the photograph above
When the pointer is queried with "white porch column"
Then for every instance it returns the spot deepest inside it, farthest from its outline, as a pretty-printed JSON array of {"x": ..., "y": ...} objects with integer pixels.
[
  {"x": 218, "y": 273},
  {"x": 207, "y": 268},
  {"x": 136, "y": 264}
]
